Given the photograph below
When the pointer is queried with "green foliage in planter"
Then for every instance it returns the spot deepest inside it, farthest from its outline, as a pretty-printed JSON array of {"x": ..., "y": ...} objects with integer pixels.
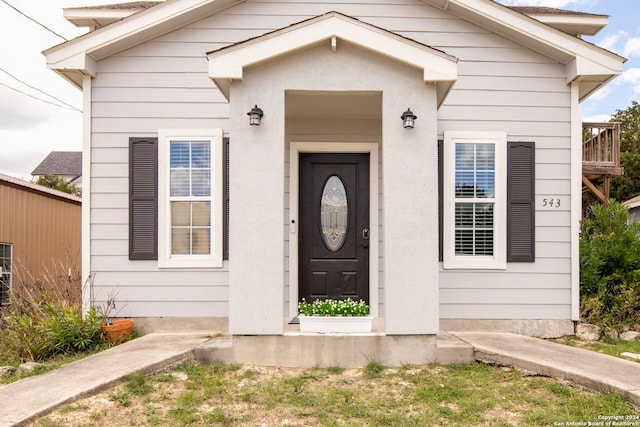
[
  {"x": 330, "y": 307},
  {"x": 610, "y": 267}
]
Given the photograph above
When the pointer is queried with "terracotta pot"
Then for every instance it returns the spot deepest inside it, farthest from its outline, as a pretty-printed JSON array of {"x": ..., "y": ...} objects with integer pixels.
[{"x": 118, "y": 330}]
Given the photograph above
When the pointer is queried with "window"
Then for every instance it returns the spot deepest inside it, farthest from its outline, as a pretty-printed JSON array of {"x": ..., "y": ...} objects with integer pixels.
[
  {"x": 474, "y": 200},
  {"x": 5, "y": 272},
  {"x": 190, "y": 198}
]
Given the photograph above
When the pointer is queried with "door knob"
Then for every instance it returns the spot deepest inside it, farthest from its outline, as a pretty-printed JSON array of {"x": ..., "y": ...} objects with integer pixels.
[{"x": 365, "y": 237}]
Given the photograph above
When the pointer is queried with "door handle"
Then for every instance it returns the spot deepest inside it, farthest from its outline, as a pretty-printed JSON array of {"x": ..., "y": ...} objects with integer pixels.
[{"x": 365, "y": 237}]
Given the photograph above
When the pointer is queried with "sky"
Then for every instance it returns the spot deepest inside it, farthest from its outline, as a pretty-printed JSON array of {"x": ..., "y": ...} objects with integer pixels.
[{"x": 31, "y": 128}]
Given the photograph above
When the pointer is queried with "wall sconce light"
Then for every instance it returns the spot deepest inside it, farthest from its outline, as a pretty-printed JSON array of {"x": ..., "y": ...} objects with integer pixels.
[
  {"x": 255, "y": 115},
  {"x": 408, "y": 119}
]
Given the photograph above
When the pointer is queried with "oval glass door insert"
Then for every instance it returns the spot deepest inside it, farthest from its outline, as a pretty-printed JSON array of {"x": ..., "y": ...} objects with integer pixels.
[{"x": 334, "y": 213}]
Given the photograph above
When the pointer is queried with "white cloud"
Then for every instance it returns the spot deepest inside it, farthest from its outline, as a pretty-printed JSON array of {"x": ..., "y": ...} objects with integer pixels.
[
  {"x": 610, "y": 41},
  {"x": 598, "y": 118},
  {"x": 632, "y": 75},
  {"x": 601, "y": 94},
  {"x": 19, "y": 110},
  {"x": 632, "y": 47},
  {"x": 631, "y": 78},
  {"x": 23, "y": 149}
]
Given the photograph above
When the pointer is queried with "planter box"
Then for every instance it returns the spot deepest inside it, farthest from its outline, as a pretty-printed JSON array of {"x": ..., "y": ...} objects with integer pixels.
[
  {"x": 338, "y": 324},
  {"x": 118, "y": 331}
]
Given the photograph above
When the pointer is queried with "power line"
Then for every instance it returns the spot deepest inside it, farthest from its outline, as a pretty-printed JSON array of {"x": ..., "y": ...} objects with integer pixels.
[
  {"x": 68, "y": 106},
  {"x": 39, "y": 99},
  {"x": 31, "y": 19},
  {"x": 35, "y": 97}
]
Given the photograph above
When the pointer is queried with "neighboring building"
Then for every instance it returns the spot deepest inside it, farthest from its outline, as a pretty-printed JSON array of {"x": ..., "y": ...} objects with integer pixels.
[
  {"x": 469, "y": 220},
  {"x": 40, "y": 234},
  {"x": 634, "y": 208},
  {"x": 64, "y": 164}
]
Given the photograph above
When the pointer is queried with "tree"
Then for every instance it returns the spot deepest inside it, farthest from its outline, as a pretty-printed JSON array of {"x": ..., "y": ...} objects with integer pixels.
[
  {"x": 57, "y": 183},
  {"x": 630, "y": 127},
  {"x": 627, "y": 186},
  {"x": 610, "y": 267}
]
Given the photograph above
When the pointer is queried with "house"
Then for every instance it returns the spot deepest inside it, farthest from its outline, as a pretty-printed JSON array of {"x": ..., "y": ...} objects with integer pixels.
[
  {"x": 64, "y": 164},
  {"x": 422, "y": 155},
  {"x": 40, "y": 235},
  {"x": 633, "y": 205}
]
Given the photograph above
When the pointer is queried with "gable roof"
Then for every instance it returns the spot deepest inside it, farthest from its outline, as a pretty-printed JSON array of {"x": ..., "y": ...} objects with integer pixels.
[
  {"x": 571, "y": 22},
  {"x": 227, "y": 64},
  {"x": 60, "y": 163},
  {"x": 100, "y": 16},
  {"x": 590, "y": 66}
]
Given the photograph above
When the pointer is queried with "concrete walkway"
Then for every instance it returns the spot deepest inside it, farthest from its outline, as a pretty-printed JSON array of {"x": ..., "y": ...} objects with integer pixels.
[
  {"x": 585, "y": 367},
  {"x": 31, "y": 397},
  {"x": 25, "y": 400}
]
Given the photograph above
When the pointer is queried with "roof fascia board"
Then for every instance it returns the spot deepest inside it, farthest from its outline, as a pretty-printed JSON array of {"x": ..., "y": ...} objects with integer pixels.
[
  {"x": 79, "y": 61},
  {"x": 589, "y": 20},
  {"x": 581, "y": 67},
  {"x": 132, "y": 30},
  {"x": 71, "y": 14},
  {"x": 577, "y": 25},
  {"x": 529, "y": 32},
  {"x": 228, "y": 63}
]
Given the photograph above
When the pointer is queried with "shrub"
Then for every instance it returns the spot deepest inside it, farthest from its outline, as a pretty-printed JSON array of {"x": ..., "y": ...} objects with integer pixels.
[
  {"x": 330, "y": 307},
  {"x": 49, "y": 329},
  {"x": 610, "y": 267},
  {"x": 44, "y": 319}
]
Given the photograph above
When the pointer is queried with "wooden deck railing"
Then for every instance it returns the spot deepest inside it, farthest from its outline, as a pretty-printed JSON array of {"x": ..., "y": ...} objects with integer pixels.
[
  {"x": 600, "y": 158},
  {"x": 601, "y": 145}
]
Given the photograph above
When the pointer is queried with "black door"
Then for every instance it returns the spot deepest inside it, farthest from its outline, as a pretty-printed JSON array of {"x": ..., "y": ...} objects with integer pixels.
[{"x": 334, "y": 226}]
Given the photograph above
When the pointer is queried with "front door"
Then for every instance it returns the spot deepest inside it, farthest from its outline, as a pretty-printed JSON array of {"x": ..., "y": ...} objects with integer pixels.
[{"x": 334, "y": 226}]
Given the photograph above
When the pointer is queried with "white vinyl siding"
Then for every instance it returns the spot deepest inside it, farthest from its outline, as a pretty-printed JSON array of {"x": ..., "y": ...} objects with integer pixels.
[{"x": 164, "y": 83}]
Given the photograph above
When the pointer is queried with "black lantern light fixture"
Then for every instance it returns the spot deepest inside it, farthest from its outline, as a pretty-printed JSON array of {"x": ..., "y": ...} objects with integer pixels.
[
  {"x": 255, "y": 115},
  {"x": 408, "y": 119}
]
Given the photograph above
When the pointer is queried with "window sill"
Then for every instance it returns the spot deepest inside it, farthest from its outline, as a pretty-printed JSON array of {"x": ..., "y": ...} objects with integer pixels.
[{"x": 190, "y": 263}]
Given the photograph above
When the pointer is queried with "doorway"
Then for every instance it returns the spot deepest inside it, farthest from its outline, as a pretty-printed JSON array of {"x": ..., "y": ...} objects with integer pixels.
[{"x": 334, "y": 237}]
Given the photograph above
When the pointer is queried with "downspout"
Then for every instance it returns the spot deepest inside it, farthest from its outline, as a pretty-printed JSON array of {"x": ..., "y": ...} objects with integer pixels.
[
  {"x": 87, "y": 284},
  {"x": 576, "y": 198}
]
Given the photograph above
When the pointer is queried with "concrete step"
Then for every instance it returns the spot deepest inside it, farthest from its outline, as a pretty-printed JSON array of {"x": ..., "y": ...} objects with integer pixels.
[{"x": 300, "y": 350}]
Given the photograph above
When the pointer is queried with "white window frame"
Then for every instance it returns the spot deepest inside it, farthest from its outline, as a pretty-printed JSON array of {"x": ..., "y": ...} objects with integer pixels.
[
  {"x": 165, "y": 258},
  {"x": 9, "y": 273},
  {"x": 499, "y": 258}
]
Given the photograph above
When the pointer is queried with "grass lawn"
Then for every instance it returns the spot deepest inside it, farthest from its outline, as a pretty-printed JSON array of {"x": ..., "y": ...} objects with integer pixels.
[
  {"x": 607, "y": 346},
  {"x": 235, "y": 395}
]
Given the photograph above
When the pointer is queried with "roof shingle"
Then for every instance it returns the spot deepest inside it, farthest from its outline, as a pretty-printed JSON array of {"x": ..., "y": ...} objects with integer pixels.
[{"x": 60, "y": 163}]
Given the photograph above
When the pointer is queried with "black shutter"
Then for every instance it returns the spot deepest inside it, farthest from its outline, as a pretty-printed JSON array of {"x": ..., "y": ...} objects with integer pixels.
[
  {"x": 143, "y": 198},
  {"x": 440, "y": 200},
  {"x": 225, "y": 206},
  {"x": 520, "y": 201},
  {"x": 521, "y": 213}
]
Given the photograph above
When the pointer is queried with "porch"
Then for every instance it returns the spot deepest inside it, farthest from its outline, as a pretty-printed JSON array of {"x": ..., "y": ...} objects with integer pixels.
[
  {"x": 600, "y": 158},
  {"x": 300, "y": 350}
]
